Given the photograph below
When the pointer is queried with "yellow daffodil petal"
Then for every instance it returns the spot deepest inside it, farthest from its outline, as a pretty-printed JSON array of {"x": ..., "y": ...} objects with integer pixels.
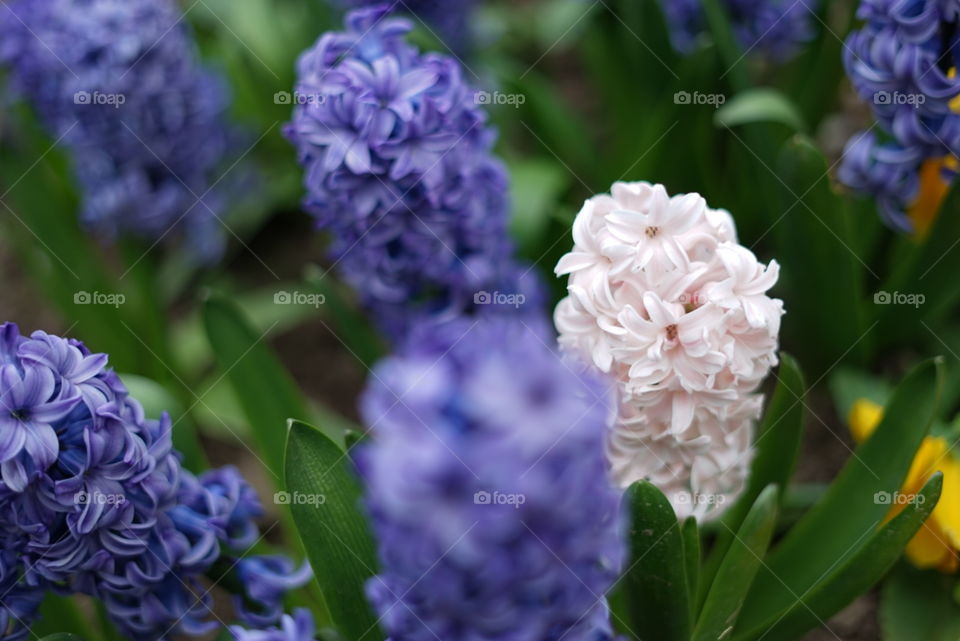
[
  {"x": 929, "y": 549},
  {"x": 933, "y": 191},
  {"x": 864, "y": 417}
]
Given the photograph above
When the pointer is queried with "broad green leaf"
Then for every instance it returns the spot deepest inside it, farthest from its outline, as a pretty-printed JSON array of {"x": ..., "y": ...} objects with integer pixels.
[
  {"x": 691, "y": 560},
  {"x": 817, "y": 244},
  {"x": 858, "y": 572},
  {"x": 536, "y": 187},
  {"x": 918, "y": 604},
  {"x": 267, "y": 394},
  {"x": 739, "y": 566},
  {"x": 325, "y": 502},
  {"x": 759, "y": 105},
  {"x": 59, "y": 613},
  {"x": 655, "y": 583},
  {"x": 777, "y": 445},
  {"x": 848, "y": 385},
  {"x": 834, "y": 528}
]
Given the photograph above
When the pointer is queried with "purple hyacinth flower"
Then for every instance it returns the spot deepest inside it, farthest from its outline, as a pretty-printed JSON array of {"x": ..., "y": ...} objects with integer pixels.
[
  {"x": 900, "y": 62},
  {"x": 462, "y": 483},
  {"x": 94, "y": 500},
  {"x": 266, "y": 581},
  {"x": 120, "y": 85},
  {"x": 775, "y": 28},
  {"x": 298, "y": 627},
  {"x": 447, "y": 19},
  {"x": 398, "y": 167}
]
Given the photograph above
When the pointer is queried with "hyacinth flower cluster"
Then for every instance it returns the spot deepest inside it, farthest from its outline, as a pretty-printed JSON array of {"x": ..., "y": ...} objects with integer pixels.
[
  {"x": 663, "y": 297},
  {"x": 398, "y": 168},
  {"x": 94, "y": 500},
  {"x": 448, "y": 19},
  {"x": 488, "y": 489},
  {"x": 119, "y": 84},
  {"x": 903, "y": 63},
  {"x": 774, "y": 28}
]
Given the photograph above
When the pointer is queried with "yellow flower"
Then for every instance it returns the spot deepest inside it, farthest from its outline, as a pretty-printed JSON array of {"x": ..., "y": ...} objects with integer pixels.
[
  {"x": 933, "y": 191},
  {"x": 936, "y": 545}
]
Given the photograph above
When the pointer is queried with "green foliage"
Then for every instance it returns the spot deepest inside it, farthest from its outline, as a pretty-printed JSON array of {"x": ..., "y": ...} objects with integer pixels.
[{"x": 332, "y": 528}]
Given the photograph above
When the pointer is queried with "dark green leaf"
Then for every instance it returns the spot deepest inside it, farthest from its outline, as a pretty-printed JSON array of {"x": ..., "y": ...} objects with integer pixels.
[
  {"x": 326, "y": 508},
  {"x": 835, "y": 527},
  {"x": 859, "y": 572},
  {"x": 759, "y": 105},
  {"x": 738, "y": 569},
  {"x": 656, "y": 582},
  {"x": 918, "y": 604},
  {"x": 264, "y": 389},
  {"x": 691, "y": 560}
]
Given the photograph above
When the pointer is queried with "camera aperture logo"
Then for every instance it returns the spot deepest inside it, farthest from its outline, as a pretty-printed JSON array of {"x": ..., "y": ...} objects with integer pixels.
[
  {"x": 298, "y": 298},
  {"x": 499, "y": 498},
  {"x": 299, "y": 498},
  {"x": 298, "y": 98},
  {"x": 499, "y": 98},
  {"x": 898, "y": 498},
  {"x": 98, "y": 298},
  {"x": 98, "y": 498},
  {"x": 99, "y": 99},
  {"x": 715, "y": 100},
  {"x": 498, "y": 298},
  {"x": 899, "y": 298}
]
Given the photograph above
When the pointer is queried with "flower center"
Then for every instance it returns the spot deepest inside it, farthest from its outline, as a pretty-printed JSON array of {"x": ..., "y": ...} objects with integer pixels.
[
  {"x": 652, "y": 232},
  {"x": 671, "y": 332},
  {"x": 19, "y": 414}
]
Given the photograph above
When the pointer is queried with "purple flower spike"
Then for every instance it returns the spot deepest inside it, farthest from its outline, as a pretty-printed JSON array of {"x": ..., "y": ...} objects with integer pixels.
[
  {"x": 398, "y": 167},
  {"x": 120, "y": 83},
  {"x": 478, "y": 429},
  {"x": 901, "y": 62},
  {"x": 93, "y": 499}
]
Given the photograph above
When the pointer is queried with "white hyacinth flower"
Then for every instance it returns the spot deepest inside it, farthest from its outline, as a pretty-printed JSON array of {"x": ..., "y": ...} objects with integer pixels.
[{"x": 663, "y": 298}]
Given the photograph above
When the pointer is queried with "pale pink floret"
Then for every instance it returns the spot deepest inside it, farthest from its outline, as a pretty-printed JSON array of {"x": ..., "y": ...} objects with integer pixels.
[{"x": 663, "y": 298}]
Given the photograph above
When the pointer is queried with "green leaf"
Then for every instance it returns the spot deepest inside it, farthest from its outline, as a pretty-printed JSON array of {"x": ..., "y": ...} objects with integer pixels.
[
  {"x": 332, "y": 527},
  {"x": 691, "y": 559},
  {"x": 849, "y": 385},
  {"x": 759, "y": 105},
  {"x": 536, "y": 186},
  {"x": 57, "y": 613},
  {"x": 834, "y": 528},
  {"x": 817, "y": 244},
  {"x": 263, "y": 387},
  {"x": 918, "y": 604},
  {"x": 859, "y": 572},
  {"x": 738, "y": 569},
  {"x": 61, "y": 636},
  {"x": 656, "y": 582},
  {"x": 777, "y": 446}
]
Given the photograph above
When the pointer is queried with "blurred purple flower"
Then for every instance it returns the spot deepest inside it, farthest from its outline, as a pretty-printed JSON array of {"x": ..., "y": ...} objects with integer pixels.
[
  {"x": 488, "y": 489},
  {"x": 776, "y": 28},
  {"x": 398, "y": 167},
  {"x": 119, "y": 82},
  {"x": 902, "y": 63},
  {"x": 448, "y": 19},
  {"x": 266, "y": 581}
]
